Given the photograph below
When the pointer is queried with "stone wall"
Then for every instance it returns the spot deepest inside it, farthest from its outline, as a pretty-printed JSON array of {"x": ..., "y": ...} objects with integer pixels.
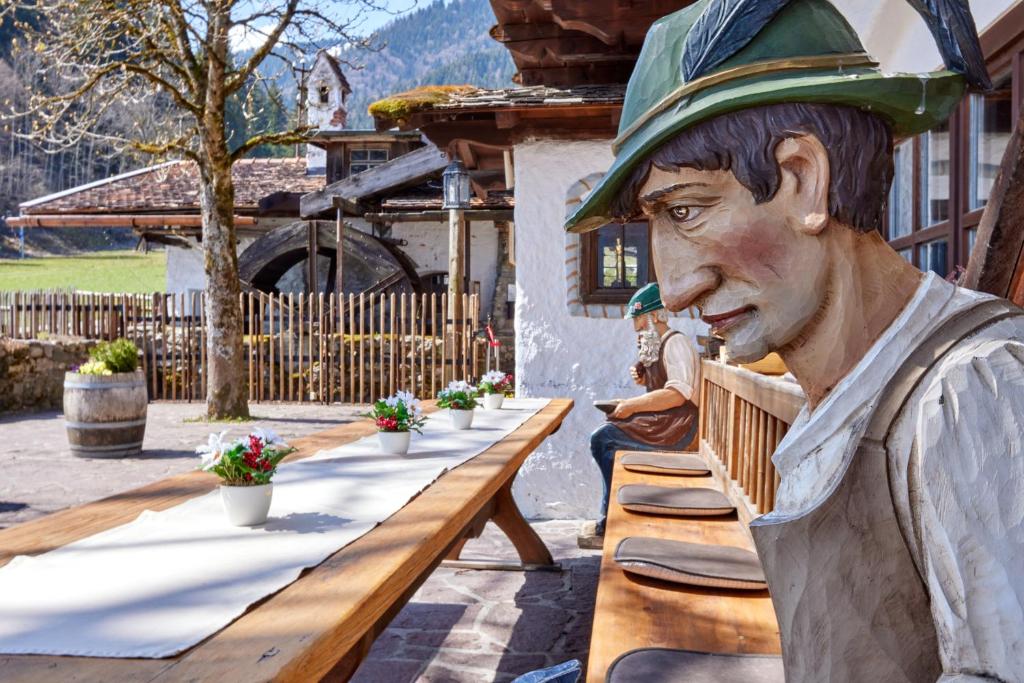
[{"x": 32, "y": 371}]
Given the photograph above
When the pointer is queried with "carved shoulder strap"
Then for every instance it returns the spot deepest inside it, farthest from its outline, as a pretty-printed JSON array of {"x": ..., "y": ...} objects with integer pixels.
[{"x": 897, "y": 391}]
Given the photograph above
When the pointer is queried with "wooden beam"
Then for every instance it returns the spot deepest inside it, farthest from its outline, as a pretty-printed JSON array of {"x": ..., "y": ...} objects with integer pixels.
[
  {"x": 312, "y": 248},
  {"x": 115, "y": 220},
  {"x": 438, "y": 216},
  {"x": 456, "y": 267},
  {"x": 408, "y": 169},
  {"x": 996, "y": 263},
  {"x": 339, "y": 257}
]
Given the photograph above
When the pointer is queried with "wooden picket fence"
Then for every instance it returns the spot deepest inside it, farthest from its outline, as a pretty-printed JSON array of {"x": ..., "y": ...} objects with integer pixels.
[{"x": 303, "y": 348}]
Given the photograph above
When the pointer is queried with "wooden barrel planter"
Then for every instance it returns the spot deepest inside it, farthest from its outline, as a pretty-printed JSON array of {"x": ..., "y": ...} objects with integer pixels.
[{"x": 105, "y": 415}]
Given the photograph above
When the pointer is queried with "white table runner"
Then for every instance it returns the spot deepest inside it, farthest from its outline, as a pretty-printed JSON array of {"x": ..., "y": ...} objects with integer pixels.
[{"x": 164, "y": 582}]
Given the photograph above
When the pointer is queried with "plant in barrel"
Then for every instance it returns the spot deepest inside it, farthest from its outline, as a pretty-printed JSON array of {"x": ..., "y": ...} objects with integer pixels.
[
  {"x": 493, "y": 386},
  {"x": 396, "y": 418},
  {"x": 246, "y": 468},
  {"x": 105, "y": 402},
  {"x": 459, "y": 397}
]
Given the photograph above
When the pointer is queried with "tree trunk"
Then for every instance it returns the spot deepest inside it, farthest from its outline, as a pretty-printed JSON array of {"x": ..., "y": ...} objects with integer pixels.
[{"x": 226, "y": 389}]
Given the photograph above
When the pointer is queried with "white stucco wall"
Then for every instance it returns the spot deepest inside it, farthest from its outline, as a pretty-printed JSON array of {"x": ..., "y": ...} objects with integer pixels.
[
  {"x": 427, "y": 245},
  {"x": 185, "y": 270},
  {"x": 896, "y": 36},
  {"x": 558, "y": 353}
]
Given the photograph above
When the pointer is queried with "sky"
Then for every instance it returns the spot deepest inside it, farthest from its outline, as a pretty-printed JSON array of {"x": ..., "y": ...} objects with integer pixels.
[{"x": 369, "y": 22}]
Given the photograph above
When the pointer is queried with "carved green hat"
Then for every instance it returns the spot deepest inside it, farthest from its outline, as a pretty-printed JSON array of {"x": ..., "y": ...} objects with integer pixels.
[
  {"x": 748, "y": 54},
  {"x": 646, "y": 300}
]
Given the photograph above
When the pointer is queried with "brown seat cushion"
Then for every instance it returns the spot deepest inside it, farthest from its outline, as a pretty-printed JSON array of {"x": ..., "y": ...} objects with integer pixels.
[
  {"x": 693, "y": 564},
  {"x": 674, "y": 501},
  {"x": 680, "y": 464},
  {"x": 660, "y": 665}
]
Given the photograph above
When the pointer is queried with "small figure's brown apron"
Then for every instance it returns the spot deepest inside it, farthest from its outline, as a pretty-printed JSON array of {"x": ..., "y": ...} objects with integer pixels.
[
  {"x": 665, "y": 428},
  {"x": 850, "y": 598}
]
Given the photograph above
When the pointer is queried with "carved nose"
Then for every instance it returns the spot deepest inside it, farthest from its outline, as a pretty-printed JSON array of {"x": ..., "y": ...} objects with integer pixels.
[{"x": 680, "y": 292}]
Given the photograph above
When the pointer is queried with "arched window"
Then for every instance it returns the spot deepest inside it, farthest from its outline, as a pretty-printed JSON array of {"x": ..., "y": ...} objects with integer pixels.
[{"x": 325, "y": 94}]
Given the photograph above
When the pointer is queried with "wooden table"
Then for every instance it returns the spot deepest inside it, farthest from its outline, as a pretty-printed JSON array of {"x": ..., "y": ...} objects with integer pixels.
[
  {"x": 322, "y": 625},
  {"x": 634, "y": 612}
]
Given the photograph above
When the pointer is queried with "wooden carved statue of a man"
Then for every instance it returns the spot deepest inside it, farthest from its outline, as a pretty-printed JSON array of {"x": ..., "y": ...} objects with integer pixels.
[{"x": 757, "y": 138}]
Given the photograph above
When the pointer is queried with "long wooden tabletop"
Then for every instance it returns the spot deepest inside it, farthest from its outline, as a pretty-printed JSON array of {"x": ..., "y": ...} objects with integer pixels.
[
  {"x": 303, "y": 631},
  {"x": 634, "y": 612}
]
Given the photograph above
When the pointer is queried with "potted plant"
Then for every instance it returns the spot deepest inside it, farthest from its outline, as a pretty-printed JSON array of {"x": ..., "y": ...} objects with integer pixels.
[
  {"x": 245, "y": 468},
  {"x": 493, "y": 386},
  {"x": 396, "y": 418},
  {"x": 460, "y": 399},
  {"x": 105, "y": 402}
]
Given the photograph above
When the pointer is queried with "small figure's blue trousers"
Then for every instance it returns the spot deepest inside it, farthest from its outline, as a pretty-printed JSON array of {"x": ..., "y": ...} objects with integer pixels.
[{"x": 605, "y": 441}]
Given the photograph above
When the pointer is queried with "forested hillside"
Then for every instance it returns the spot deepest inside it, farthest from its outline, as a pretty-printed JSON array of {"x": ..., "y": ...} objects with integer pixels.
[{"x": 445, "y": 42}]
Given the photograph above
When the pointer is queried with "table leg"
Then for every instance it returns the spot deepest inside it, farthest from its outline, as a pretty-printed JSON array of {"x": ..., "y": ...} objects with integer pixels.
[{"x": 502, "y": 510}]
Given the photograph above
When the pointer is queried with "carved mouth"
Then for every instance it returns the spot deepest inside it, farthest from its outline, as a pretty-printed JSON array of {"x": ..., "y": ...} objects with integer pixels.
[{"x": 724, "y": 321}]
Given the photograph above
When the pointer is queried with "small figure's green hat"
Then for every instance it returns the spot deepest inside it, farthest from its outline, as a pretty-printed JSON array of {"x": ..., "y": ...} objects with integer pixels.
[
  {"x": 646, "y": 300},
  {"x": 719, "y": 56}
]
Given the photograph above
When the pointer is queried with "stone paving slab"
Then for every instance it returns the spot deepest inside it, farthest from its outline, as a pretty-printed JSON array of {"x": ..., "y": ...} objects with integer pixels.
[
  {"x": 41, "y": 476},
  {"x": 472, "y": 626}
]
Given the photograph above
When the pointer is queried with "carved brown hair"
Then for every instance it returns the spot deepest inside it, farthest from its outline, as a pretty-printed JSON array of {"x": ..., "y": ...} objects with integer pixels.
[{"x": 859, "y": 146}]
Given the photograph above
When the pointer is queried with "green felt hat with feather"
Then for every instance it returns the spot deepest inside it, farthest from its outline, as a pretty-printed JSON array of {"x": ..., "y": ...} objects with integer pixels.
[{"x": 719, "y": 56}]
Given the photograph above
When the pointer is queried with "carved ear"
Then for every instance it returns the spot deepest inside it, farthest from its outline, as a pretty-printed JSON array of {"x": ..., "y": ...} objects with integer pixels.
[{"x": 804, "y": 165}]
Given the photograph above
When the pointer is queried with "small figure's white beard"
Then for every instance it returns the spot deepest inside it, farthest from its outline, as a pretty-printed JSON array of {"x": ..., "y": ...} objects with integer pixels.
[{"x": 649, "y": 344}]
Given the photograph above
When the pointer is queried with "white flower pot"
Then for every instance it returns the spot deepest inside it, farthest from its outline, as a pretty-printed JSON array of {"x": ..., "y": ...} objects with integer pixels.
[
  {"x": 493, "y": 401},
  {"x": 394, "y": 443},
  {"x": 461, "y": 419},
  {"x": 247, "y": 505}
]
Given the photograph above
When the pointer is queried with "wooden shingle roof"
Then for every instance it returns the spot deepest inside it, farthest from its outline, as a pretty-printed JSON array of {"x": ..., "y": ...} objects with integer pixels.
[{"x": 173, "y": 187}]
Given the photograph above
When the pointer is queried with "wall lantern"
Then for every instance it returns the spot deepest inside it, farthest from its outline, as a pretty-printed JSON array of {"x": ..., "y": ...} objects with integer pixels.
[{"x": 456, "y": 186}]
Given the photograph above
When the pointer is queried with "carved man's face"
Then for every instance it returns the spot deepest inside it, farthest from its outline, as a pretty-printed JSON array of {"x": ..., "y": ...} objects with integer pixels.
[{"x": 756, "y": 271}]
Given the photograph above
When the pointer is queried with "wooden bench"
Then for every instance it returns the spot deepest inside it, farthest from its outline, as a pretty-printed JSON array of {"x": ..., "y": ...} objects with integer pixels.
[
  {"x": 635, "y": 612},
  {"x": 322, "y": 625}
]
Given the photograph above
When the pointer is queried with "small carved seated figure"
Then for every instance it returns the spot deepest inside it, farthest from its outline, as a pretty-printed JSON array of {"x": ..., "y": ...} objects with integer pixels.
[{"x": 663, "y": 418}]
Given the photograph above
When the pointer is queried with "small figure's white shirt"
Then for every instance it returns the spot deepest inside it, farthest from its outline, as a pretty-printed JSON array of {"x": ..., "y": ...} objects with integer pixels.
[
  {"x": 682, "y": 365},
  {"x": 962, "y": 492}
]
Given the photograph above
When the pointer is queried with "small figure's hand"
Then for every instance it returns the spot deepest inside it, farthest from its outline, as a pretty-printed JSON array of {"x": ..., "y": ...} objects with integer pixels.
[
  {"x": 622, "y": 411},
  {"x": 635, "y": 375}
]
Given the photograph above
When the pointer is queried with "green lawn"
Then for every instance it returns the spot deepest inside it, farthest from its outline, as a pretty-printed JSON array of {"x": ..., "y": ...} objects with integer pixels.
[{"x": 105, "y": 271}]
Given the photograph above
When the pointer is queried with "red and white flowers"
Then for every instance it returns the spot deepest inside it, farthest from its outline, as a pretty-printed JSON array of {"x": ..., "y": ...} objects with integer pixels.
[
  {"x": 495, "y": 382},
  {"x": 398, "y": 413},
  {"x": 249, "y": 461}
]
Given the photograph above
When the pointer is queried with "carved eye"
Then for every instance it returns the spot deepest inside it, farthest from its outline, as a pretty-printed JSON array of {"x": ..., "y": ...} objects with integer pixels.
[
  {"x": 685, "y": 214},
  {"x": 680, "y": 213}
]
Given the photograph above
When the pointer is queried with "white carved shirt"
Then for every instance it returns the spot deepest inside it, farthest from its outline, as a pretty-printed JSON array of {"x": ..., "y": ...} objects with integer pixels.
[
  {"x": 963, "y": 495},
  {"x": 682, "y": 365}
]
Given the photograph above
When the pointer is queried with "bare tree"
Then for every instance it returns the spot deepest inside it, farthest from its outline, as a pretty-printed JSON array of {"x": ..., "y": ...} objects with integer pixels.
[{"x": 175, "y": 56}]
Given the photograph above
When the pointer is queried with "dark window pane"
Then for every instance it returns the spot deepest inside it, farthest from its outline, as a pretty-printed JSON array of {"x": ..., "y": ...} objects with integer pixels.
[
  {"x": 935, "y": 176},
  {"x": 359, "y": 155},
  {"x": 991, "y": 125},
  {"x": 378, "y": 155},
  {"x": 621, "y": 257},
  {"x": 609, "y": 247},
  {"x": 932, "y": 256},
  {"x": 901, "y": 196}
]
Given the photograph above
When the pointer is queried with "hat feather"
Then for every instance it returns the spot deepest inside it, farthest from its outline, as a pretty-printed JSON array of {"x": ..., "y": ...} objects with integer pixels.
[
  {"x": 952, "y": 25},
  {"x": 724, "y": 28}
]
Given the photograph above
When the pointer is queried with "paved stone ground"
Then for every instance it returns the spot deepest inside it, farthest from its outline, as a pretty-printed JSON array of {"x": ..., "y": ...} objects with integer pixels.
[
  {"x": 471, "y": 626},
  {"x": 462, "y": 626},
  {"x": 41, "y": 476}
]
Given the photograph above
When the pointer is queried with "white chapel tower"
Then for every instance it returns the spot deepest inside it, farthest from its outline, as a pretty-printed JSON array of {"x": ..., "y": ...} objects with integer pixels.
[{"x": 327, "y": 91}]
